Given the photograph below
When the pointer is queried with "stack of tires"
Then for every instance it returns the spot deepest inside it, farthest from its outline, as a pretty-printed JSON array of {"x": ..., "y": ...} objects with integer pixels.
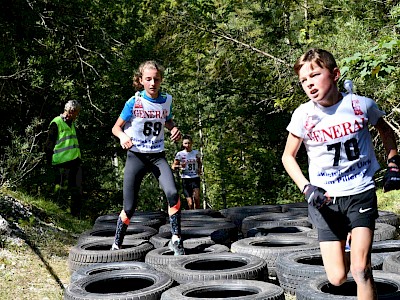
[
  {"x": 99, "y": 273},
  {"x": 210, "y": 270},
  {"x": 302, "y": 273},
  {"x": 221, "y": 275},
  {"x": 251, "y": 252},
  {"x": 199, "y": 226},
  {"x": 288, "y": 243}
]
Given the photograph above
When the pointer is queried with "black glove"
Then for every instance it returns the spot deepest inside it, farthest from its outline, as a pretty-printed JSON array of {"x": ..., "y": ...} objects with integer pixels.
[
  {"x": 391, "y": 180},
  {"x": 315, "y": 195}
]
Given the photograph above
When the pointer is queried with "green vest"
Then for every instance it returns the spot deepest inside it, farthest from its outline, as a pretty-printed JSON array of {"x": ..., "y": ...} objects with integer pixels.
[{"x": 67, "y": 146}]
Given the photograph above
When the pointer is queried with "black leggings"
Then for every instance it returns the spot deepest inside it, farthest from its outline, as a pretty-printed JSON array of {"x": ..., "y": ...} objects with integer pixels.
[{"x": 136, "y": 167}]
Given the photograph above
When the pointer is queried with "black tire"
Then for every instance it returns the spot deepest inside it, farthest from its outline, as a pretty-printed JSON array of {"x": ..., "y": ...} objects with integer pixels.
[
  {"x": 225, "y": 233},
  {"x": 194, "y": 236},
  {"x": 203, "y": 218},
  {"x": 382, "y": 232},
  {"x": 201, "y": 212},
  {"x": 204, "y": 221},
  {"x": 226, "y": 212},
  {"x": 301, "y": 205},
  {"x": 271, "y": 246},
  {"x": 133, "y": 232},
  {"x": 135, "y": 220},
  {"x": 313, "y": 233},
  {"x": 225, "y": 289},
  {"x": 189, "y": 241},
  {"x": 155, "y": 214},
  {"x": 392, "y": 263},
  {"x": 237, "y": 214},
  {"x": 121, "y": 284},
  {"x": 160, "y": 258},
  {"x": 107, "y": 267},
  {"x": 139, "y": 214},
  {"x": 266, "y": 230},
  {"x": 298, "y": 211},
  {"x": 98, "y": 251},
  {"x": 319, "y": 288},
  {"x": 206, "y": 224},
  {"x": 388, "y": 217},
  {"x": 217, "y": 266},
  {"x": 293, "y": 268},
  {"x": 274, "y": 219},
  {"x": 386, "y": 247}
]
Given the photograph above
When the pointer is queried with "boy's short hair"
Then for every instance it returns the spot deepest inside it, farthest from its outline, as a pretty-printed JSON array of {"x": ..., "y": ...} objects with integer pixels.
[{"x": 322, "y": 58}]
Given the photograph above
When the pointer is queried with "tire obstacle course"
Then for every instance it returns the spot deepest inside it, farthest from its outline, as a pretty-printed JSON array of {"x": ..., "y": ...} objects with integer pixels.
[{"x": 254, "y": 252}]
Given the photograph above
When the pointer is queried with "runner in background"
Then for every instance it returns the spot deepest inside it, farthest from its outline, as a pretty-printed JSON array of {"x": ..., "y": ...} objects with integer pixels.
[{"x": 189, "y": 162}]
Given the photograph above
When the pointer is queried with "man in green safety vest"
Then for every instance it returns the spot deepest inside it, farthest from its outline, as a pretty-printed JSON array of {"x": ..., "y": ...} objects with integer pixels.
[{"x": 63, "y": 152}]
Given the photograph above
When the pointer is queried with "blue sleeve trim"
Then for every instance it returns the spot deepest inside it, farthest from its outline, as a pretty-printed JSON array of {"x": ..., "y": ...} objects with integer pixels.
[
  {"x": 169, "y": 117},
  {"x": 126, "y": 113}
]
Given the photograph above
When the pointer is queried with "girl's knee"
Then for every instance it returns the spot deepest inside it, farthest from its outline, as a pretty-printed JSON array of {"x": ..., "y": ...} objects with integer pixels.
[{"x": 337, "y": 278}]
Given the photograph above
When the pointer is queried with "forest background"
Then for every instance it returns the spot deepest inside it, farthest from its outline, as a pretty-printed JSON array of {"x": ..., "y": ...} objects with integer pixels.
[{"x": 228, "y": 67}]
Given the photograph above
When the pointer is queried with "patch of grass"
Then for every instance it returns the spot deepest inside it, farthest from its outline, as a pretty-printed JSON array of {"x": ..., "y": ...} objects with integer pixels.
[
  {"x": 51, "y": 213},
  {"x": 389, "y": 201},
  {"x": 34, "y": 260},
  {"x": 23, "y": 276}
]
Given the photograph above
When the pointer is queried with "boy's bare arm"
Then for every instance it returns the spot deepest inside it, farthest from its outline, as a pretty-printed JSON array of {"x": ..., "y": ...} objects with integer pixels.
[
  {"x": 289, "y": 161},
  {"x": 391, "y": 179},
  {"x": 388, "y": 137}
]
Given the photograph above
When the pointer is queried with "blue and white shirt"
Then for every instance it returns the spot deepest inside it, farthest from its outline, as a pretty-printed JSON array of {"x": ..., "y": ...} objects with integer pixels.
[{"x": 145, "y": 118}]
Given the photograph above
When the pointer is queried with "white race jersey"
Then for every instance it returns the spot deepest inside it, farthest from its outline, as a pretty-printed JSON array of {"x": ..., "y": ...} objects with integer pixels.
[
  {"x": 145, "y": 119},
  {"x": 340, "y": 152},
  {"x": 191, "y": 160}
]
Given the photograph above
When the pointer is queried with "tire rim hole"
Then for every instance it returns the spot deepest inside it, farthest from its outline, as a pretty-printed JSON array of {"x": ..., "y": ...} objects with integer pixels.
[
  {"x": 276, "y": 244},
  {"x": 118, "y": 285},
  {"x": 349, "y": 288},
  {"x": 218, "y": 293},
  {"x": 214, "y": 265}
]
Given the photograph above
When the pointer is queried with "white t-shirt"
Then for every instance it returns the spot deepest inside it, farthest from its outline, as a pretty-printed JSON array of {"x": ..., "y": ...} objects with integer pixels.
[
  {"x": 145, "y": 118},
  {"x": 340, "y": 152},
  {"x": 191, "y": 159}
]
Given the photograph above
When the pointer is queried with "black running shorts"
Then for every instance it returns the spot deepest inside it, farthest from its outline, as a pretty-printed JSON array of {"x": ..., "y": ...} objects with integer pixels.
[
  {"x": 342, "y": 214},
  {"x": 189, "y": 184}
]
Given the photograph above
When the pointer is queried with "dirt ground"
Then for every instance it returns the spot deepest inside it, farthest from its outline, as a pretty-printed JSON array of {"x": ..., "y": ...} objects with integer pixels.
[{"x": 24, "y": 274}]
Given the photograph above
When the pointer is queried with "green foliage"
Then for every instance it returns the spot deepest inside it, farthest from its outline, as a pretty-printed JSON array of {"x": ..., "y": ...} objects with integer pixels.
[
  {"x": 376, "y": 63},
  {"x": 22, "y": 156},
  {"x": 228, "y": 67},
  {"x": 38, "y": 211}
]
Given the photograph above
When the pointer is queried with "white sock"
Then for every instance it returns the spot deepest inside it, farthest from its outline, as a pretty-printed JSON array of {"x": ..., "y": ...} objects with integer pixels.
[{"x": 174, "y": 238}]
